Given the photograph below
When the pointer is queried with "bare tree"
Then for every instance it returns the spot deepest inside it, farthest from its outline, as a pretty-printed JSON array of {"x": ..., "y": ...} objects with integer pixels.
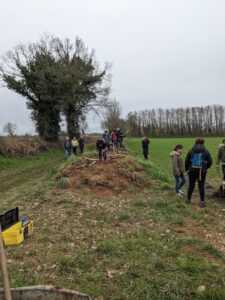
[
  {"x": 112, "y": 116},
  {"x": 10, "y": 128}
]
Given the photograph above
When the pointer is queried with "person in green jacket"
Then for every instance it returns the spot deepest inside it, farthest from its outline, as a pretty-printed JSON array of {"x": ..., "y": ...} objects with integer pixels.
[
  {"x": 178, "y": 169},
  {"x": 75, "y": 145},
  {"x": 221, "y": 157}
]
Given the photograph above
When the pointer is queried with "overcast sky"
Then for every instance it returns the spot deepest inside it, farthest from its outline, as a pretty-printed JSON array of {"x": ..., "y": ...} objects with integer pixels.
[{"x": 165, "y": 53}]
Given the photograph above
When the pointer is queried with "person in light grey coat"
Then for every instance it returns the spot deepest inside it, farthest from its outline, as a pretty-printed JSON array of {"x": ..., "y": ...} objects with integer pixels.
[{"x": 178, "y": 169}]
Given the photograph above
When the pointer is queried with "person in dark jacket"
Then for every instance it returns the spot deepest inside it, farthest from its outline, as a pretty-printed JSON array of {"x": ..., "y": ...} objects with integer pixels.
[
  {"x": 120, "y": 136},
  {"x": 67, "y": 147},
  {"x": 81, "y": 143},
  {"x": 197, "y": 162},
  {"x": 100, "y": 146},
  {"x": 145, "y": 142},
  {"x": 221, "y": 157}
]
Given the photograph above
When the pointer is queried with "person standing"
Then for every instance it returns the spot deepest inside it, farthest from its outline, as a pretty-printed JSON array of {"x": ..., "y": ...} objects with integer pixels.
[
  {"x": 67, "y": 147},
  {"x": 100, "y": 146},
  {"x": 114, "y": 139},
  {"x": 197, "y": 162},
  {"x": 145, "y": 142},
  {"x": 106, "y": 137},
  {"x": 119, "y": 137},
  {"x": 178, "y": 169},
  {"x": 81, "y": 142},
  {"x": 74, "y": 143},
  {"x": 221, "y": 157}
]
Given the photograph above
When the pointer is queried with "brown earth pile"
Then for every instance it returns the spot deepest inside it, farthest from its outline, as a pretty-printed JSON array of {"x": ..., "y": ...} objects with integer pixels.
[{"x": 115, "y": 176}]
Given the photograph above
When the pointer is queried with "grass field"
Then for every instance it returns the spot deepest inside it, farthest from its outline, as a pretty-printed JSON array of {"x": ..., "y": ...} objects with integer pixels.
[
  {"x": 149, "y": 245},
  {"x": 160, "y": 149}
]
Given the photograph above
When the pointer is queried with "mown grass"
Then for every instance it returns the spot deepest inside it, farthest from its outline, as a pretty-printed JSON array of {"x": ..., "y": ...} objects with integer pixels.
[{"x": 150, "y": 245}]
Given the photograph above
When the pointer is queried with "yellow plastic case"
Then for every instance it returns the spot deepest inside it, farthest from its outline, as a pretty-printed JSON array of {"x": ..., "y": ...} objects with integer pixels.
[{"x": 17, "y": 233}]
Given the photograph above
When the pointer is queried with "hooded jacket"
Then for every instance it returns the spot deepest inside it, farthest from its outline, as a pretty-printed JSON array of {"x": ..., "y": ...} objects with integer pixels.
[
  {"x": 177, "y": 163},
  {"x": 221, "y": 154},
  {"x": 198, "y": 148}
]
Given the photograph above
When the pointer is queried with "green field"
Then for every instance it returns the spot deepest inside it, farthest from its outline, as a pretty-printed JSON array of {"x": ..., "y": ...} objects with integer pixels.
[
  {"x": 160, "y": 149},
  {"x": 150, "y": 245}
]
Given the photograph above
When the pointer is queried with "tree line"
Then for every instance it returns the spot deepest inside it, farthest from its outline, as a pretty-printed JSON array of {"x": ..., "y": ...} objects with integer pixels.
[
  {"x": 59, "y": 79},
  {"x": 189, "y": 121}
]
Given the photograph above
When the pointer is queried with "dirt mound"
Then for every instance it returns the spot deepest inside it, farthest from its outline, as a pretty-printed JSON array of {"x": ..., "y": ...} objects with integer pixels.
[
  {"x": 117, "y": 175},
  {"x": 21, "y": 146}
]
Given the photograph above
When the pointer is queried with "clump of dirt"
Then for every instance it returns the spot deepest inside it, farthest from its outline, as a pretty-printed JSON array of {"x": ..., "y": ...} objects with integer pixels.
[
  {"x": 216, "y": 193},
  {"x": 106, "y": 178}
]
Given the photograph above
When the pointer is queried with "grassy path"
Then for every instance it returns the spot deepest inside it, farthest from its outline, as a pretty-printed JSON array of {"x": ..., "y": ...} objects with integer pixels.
[
  {"x": 147, "y": 245},
  {"x": 18, "y": 176}
]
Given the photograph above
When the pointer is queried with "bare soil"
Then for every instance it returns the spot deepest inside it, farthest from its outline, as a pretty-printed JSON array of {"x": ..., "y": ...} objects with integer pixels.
[{"x": 106, "y": 178}]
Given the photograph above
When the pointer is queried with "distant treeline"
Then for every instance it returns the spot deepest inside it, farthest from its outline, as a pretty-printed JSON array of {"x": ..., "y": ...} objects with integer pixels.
[{"x": 189, "y": 121}]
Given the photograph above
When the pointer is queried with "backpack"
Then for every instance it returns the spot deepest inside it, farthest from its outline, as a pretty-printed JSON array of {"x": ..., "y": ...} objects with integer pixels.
[{"x": 198, "y": 160}]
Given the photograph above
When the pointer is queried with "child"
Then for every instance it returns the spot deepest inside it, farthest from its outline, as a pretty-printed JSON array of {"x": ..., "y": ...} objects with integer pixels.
[
  {"x": 145, "y": 143},
  {"x": 178, "y": 169},
  {"x": 67, "y": 147},
  {"x": 114, "y": 139},
  {"x": 74, "y": 143}
]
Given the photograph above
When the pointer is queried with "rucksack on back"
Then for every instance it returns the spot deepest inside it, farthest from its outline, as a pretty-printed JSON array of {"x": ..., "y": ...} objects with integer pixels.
[{"x": 198, "y": 160}]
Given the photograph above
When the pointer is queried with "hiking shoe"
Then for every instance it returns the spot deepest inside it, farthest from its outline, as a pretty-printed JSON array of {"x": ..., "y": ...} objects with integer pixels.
[
  {"x": 180, "y": 192},
  {"x": 179, "y": 195},
  {"x": 202, "y": 204},
  {"x": 188, "y": 201}
]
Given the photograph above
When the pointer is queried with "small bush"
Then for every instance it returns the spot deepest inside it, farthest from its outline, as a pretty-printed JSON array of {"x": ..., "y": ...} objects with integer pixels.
[{"x": 64, "y": 182}]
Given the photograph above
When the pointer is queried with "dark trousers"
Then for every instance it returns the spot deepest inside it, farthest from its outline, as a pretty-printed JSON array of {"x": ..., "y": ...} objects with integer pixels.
[
  {"x": 193, "y": 177},
  {"x": 100, "y": 154},
  {"x": 145, "y": 153},
  {"x": 223, "y": 169},
  {"x": 81, "y": 148},
  {"x": 180, "y": 181},
  {"x": 75, "y": 150}
]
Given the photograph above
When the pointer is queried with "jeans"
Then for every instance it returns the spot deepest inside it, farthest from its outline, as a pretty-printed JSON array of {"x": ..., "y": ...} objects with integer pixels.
[
  {"x": 193, "y": 177},
  {"x": 67, "y": 153},
  {"x": 180, "y": 181}
]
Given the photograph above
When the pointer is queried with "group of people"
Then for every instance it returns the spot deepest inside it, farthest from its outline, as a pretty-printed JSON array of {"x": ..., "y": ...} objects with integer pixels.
[
  {"x": 73, "y": 145},
  {"x": 198, "y": 160},
  {"x": 109, "y": 142}
]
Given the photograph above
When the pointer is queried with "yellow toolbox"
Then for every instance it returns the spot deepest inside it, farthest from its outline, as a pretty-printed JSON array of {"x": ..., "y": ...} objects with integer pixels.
[{"x": 15, "y": 231}]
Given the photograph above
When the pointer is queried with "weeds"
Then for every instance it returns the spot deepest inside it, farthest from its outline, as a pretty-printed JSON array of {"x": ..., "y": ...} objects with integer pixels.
[{"x": 63, "y": 182}]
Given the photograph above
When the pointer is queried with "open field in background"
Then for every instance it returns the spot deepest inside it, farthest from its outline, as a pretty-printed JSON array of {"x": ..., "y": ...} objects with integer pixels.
[
  {"x": 160, "y": 149},
  {"x": 142, "y": 244}
]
